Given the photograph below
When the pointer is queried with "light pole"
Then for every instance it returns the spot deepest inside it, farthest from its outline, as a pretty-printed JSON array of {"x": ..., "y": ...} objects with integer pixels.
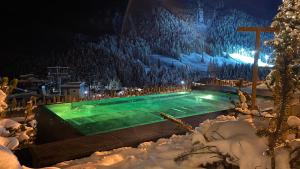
[{"x": 258, "y": 31}]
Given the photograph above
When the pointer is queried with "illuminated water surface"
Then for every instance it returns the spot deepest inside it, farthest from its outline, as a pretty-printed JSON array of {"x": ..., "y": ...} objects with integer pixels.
[{"x": 101, "y": 116}]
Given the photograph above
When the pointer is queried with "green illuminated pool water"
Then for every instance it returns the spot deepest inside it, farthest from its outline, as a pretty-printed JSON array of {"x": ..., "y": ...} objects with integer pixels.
[{"x": 101, "y": 116}]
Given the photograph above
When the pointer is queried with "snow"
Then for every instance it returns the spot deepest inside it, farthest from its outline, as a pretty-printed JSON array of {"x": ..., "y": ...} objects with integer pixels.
[
  {"x": 8, "y": 123},
  {"x": 293, "y": 121},
  {"x": 239, "y": 140},
  {"x": 3, "y": 104},
  {"x": 4, "y": 132},
  {"x": 282, "y": 158},
  {"x": 225, "y": 135},
  {"x": 8, "y": 160},
  {"x": 20, "y": 133},
  {"x": 158, "y": 155},
  {"x": 9, "y": 142}
]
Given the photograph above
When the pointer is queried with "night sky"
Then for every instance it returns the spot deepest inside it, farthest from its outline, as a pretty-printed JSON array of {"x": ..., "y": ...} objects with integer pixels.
[{"x": 39, "y": 26}]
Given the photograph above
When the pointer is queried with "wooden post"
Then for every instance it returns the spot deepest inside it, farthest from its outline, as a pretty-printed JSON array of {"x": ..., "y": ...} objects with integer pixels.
[{"x": 257, "y": 30}]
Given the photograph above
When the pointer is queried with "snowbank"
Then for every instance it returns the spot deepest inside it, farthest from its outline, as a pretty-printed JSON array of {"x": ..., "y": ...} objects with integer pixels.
[
  {"x": 148, "y": 155},
  {"x": 13, "y": 133},
  {"x": 225, "y": 136},
  {"x": 8, "y": 160},
  {"x": 8, "y": 123}
]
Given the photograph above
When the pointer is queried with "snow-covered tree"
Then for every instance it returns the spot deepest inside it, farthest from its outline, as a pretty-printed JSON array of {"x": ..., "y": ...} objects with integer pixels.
[
  {"x": 114, "y": 85},
  {"x": 226, "y": 24},
  {"x": 284, "y": 80},
  {"x": 170, "y": 35},
  {"x": 3, "y": 105}
]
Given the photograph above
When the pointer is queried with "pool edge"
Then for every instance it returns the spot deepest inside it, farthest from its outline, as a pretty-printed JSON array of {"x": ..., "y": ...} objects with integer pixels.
[{"x": 55, "y": 152}]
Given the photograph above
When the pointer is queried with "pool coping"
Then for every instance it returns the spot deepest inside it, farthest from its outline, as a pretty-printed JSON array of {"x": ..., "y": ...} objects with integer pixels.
[
  {"x": 76, "y": 131},
  {"x": 78, "y": 147}
]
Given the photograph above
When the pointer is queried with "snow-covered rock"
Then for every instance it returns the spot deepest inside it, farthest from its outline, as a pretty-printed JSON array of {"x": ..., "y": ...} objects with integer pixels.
[
  {"x": 267, "y": 114},
  {"x": 4, "y": 132},
  {"x": 8, "y": 160},
  {"x": 282, "y": 158},
  {"x": 9, "y": 142},
  {"x": 238, "y": 139},
  {"x": 33, "y": 123},
  {"x": 24, "y": 135},
  {"x": 8, "y": 123},
  {"x": 198, "y": 138},
  {"x": 293, "y": 121}
]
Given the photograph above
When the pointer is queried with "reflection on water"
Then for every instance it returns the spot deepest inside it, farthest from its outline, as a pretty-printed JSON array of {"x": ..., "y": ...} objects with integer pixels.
[{"x": 200, "y": 98}]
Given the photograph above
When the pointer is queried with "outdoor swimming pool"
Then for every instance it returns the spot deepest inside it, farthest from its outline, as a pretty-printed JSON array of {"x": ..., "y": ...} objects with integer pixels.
[{"x": 102, "y": 116}]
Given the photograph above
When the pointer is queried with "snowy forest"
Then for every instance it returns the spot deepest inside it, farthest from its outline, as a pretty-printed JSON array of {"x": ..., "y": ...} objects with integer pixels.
[{"x": 203, "y": 31}]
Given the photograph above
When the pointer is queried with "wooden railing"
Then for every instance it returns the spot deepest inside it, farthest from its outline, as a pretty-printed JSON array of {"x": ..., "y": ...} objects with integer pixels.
[
  {"x": 231, "y": 83},
  {"x": 19, "y": 104}
]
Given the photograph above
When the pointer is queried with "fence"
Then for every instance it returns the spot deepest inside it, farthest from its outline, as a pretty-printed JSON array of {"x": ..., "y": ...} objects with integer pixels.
[{"x": 19, "y": 104}]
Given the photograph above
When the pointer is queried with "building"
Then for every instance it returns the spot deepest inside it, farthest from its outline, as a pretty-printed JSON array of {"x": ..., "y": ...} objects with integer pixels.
[
  {"x": 75, "y": 90},
  {"x": 30, "y": 83}
]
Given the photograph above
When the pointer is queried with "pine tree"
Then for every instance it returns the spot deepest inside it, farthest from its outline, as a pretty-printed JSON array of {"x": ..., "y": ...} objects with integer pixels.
[{"x": 285, "y": 76}]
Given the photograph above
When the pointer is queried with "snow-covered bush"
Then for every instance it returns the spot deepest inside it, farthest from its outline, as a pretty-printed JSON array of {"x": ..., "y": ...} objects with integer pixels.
[
  {"x": 3, "y": 105},
  {"x": 13, "y": 134},
  {"x": 114, "y": 85}
]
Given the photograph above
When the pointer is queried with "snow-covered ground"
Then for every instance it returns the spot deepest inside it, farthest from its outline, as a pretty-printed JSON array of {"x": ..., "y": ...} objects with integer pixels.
[
  {"x": 226, "y": 138},
  {"x": 200, "y": 62},
  {"x": 161, "y": 154}
]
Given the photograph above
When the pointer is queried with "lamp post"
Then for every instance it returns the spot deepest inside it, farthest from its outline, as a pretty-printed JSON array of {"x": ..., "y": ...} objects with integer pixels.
[
  {"x": 183, "y": 84},
  {"x": 258, "y": 31}
]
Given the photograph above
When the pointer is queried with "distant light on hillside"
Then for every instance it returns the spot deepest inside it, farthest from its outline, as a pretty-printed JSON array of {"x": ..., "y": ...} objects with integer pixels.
[
  {"x": 249, "y": 60},
  {"x": 267, "y": 57}
]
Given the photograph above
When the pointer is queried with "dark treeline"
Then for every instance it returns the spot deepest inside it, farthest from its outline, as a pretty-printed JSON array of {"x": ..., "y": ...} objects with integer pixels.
[{"x": 240, "y": 71}]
